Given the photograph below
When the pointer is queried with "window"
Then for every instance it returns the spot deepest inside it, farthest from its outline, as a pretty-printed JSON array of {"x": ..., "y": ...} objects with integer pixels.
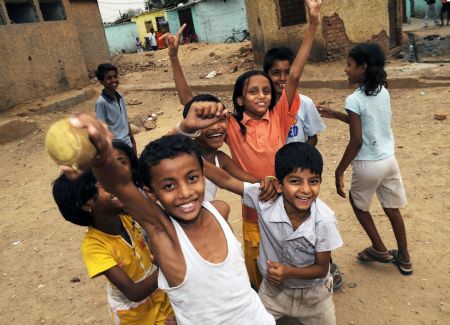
[
  {"x": 162, "y": 24},
  {"x": 292, "y": 12},
  {"x": 21, "y": 11},
  {"x": 52, "y": 10}
]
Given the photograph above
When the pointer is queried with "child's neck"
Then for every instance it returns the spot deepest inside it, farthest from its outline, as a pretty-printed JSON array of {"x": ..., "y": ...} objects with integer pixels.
[
  {"x": 110, "y": 92},
  {"x": 209, "y": 154},
  {"x": 111, "y": 224},
  {"x": 297, "y": 217}
]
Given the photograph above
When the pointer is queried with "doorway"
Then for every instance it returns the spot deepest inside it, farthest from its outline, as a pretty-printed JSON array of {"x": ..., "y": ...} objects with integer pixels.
[{"x": 185, "y": 17}]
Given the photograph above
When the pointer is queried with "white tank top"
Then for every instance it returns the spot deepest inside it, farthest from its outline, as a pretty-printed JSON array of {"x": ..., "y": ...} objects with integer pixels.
[
  {"x": 210, "y": 187},
  {"x": 214, "y": 293}
]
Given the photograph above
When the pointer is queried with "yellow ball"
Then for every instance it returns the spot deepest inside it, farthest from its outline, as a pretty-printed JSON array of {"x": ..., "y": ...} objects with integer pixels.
[{"x": 68, "y": 145}]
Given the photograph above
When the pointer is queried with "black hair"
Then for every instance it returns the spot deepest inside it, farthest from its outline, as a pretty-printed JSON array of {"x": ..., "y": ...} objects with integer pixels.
[
  {"x": 166, "y": 147},
  {"x": 373, "y": 56},
  {"x": 240, "y": 88},
  {"x": 129, "y": 152},
  {"x": 103, "y": 69},
  {"x": 277, "y": 54},
  {"x": 71, "y": 195},
  {"x": 297, "y": 155},
  {"x": 199, "y": 98}
]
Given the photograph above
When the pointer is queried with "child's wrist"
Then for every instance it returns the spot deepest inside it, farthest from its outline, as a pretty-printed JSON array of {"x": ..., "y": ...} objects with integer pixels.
[{"x": 180, "y": 128}]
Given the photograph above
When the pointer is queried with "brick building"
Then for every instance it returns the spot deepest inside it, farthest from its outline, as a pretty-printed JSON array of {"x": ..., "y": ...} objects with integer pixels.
[
  {"x": 344, "y": 23},
  {"x": 48, "y": 46}
]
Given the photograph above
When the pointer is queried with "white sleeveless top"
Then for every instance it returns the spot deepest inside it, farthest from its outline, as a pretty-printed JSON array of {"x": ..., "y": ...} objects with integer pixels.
[
  {"x": 214, "y": 293},
  {"x": 210, "y": 187}
]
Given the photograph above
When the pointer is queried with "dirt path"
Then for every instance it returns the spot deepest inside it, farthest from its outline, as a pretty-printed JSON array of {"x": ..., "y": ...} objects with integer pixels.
[{"x": 44, "y": 281}]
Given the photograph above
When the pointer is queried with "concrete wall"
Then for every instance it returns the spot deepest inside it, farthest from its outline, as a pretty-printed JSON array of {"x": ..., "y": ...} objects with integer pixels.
[
  {"x": 47, "y": 57},
  {"x": 88, "y": 22},
  {"x": 121, "y": 38},
  {"x": 216, "y": 19},
  {"x": 359, "y": 21}
]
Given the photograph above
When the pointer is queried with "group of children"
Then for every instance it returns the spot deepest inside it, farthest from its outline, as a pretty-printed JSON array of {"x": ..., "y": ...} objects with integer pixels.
[{"x": 288, "y": 232}]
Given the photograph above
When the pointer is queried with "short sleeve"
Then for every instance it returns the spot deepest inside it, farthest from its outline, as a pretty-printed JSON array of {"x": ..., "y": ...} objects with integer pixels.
[
  {"x": 96, "y": 256},
  {"x": 328, "y": 237},
  {"x": 284, "y": 114},
  {"x": 352, "y": 104},
  {"x": 100, "y": 111},
  {"x": 313, "y": 123},
  {"x": 251, "y": 194}
]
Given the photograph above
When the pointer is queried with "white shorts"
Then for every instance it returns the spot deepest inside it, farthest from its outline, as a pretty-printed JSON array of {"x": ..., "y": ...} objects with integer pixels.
[{"x": 380, "y": 176}]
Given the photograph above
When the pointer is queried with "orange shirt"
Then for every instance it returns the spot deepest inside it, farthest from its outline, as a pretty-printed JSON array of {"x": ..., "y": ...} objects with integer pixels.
[{"x": 255, "y": 153}]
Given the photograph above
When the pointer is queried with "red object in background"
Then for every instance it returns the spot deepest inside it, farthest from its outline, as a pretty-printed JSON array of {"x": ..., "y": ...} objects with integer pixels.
[{"x": 160, "y": 42}]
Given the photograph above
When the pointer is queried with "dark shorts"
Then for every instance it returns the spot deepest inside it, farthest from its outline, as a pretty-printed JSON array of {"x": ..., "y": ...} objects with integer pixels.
[{"x": 445, "y": 7}]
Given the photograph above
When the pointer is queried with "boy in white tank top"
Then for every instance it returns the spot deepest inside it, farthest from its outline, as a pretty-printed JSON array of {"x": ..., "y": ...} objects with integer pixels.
[{"x": 201, "y": 263}]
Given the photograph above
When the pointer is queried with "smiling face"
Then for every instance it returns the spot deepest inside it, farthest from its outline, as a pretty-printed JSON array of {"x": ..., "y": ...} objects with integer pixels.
[
  {"x": 354, "y": 72},
  {"x": 179, "y": 185},
  {"x": 111, "y": 80},
  {"x": 300, "y": 188},
  {"x": 104, "y": 204},
  {"x": 257, "y": 96},
  {"x": 279, "y": 73},
  {"x": 213, "y": 137}
]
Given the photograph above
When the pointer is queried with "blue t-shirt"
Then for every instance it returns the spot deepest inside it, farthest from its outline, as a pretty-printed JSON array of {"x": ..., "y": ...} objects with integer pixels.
[
  {"x": 375, "y": 113},
  {"x": 113, "y": 112}
]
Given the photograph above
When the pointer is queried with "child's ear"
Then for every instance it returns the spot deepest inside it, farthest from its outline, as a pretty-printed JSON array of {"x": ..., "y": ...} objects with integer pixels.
[
  {"x": 149, "y": 194},
  {"x": 240, "y": 101},
  {"x": 278, "y": 187}
]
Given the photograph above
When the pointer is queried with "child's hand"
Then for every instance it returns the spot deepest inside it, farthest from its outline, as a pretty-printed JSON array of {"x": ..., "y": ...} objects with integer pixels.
[
  {"x": 325, "y": 111},
  {"x": 276, "y": 272},
  {"x": 202, "y": 115},
  {"x": 340, "y": 184},
  {"x": 268, "y": 189},
  {"x": 314, "y": 11},
  {"x": 173, "y": 41},
  {"x": 170, "y": 320}
]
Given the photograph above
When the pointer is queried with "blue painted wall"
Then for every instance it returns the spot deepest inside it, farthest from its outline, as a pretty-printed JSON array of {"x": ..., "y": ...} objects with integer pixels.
[
  {"x": 214, "y": 20},
  {"x": 121, "y": 37}
]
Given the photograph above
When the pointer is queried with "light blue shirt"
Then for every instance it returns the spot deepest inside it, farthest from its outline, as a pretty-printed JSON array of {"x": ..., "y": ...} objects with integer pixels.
[
  {"x": 113, "y": 112},
  {"x": 308, "y": 123},
  {"x": 375, "y": 113},
  {"x": 281, "y": 243}
]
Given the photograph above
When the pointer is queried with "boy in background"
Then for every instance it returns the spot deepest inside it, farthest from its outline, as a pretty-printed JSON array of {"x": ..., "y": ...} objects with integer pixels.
[
  {"x": 277, "y": 64},
  {"x": 298, "y": 232},
  {"x": 110, "y": 106}
]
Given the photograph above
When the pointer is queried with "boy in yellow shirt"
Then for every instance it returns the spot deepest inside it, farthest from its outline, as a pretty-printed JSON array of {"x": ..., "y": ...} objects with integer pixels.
[{"x": 115, "y": 247}]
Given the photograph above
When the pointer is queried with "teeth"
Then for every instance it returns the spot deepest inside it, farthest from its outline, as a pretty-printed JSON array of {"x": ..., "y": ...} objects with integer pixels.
[
  {"x": 215, "y": 135},
  {"x": 187, "y": 205}
]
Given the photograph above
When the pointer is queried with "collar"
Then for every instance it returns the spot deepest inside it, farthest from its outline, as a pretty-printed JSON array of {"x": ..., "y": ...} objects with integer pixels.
[
  {"x": 109, "y": 98},
  {"x": 246, "y": 118},
  {"x": 306, "y": 229}
]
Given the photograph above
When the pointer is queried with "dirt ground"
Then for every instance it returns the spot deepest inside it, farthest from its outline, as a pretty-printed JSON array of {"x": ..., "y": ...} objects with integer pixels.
[{"x": 42, "y": 275}]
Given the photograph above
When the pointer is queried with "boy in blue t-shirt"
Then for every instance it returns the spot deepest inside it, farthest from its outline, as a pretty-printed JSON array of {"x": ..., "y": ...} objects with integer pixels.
[{"x": 110, "y": 106}]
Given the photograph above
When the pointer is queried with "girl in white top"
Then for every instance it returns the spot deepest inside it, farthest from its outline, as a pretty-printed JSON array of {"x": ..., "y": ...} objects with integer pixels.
[
  {"x": 203, "y": 278},
  {"x": 371, "y": 152},
  {"x": 210, "y": 140}
]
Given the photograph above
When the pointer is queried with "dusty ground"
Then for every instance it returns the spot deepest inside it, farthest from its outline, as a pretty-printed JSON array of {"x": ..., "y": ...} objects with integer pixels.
[{"x": 43, "y": 278}]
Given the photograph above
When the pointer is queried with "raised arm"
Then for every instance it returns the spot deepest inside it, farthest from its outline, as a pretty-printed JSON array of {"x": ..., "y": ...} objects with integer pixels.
[
  {"x": 115, "y": 180},
  {"x": 172, "y": 43},
  {"x": 233, "y": 169},
  {"x": 303, "y": 53}
]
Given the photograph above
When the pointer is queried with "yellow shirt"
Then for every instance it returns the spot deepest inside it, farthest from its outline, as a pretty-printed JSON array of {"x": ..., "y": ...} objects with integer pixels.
[{"x": 102, "y": 251}]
